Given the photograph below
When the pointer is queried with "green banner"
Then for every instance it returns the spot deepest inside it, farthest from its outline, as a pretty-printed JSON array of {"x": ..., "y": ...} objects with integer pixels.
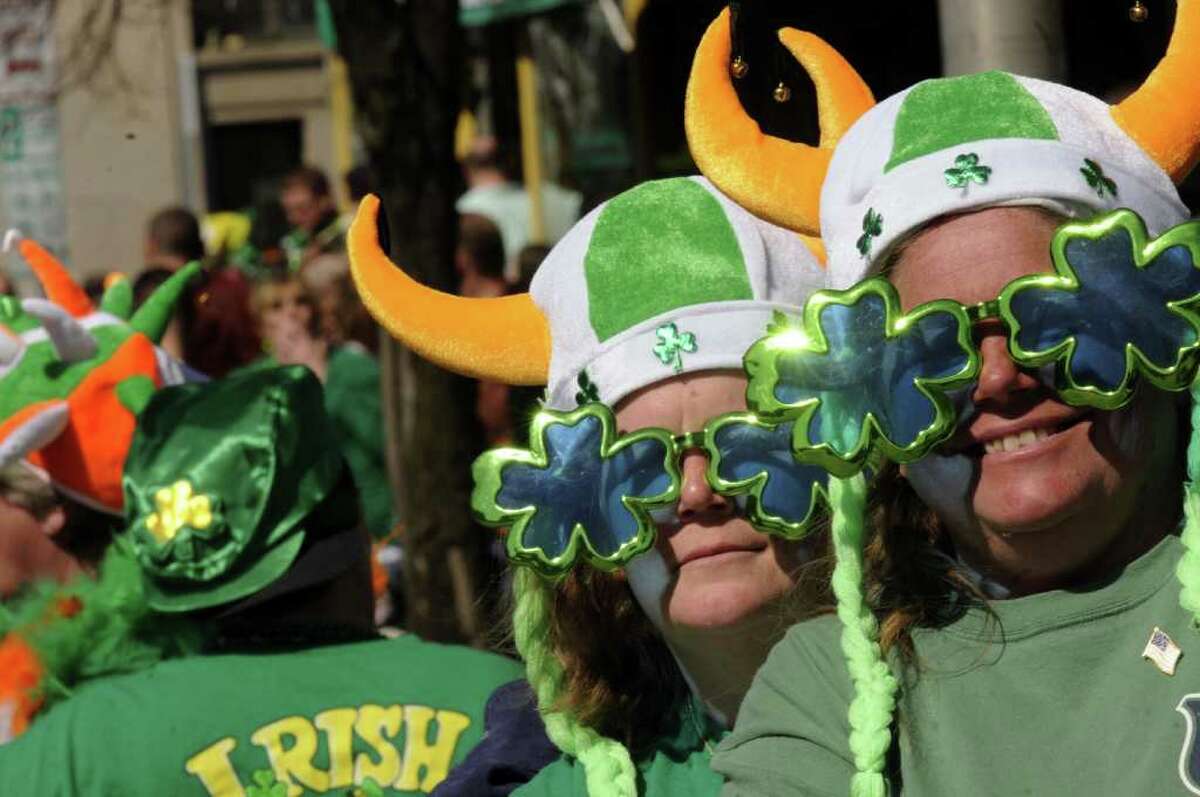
[{"x": 474, "y": 13}]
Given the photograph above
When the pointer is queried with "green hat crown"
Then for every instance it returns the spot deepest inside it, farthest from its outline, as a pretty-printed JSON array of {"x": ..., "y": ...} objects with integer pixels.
[
  {"x": 221, "y": 482},
  {"x": 668, "y": 277}
]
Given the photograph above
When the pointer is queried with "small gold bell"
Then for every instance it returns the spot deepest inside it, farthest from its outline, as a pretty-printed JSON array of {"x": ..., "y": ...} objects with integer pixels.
[
  {"x": 1138, "y": 12},
  {"x": 782, "y": 93},
  {"x": 739, "y": 68}
]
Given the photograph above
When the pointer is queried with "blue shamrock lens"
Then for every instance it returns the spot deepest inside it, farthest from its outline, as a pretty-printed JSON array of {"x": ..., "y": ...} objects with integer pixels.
[
  {"x": 578, "y": 486},
  {"x": 636, "y": 470},
  {"x": 747, "y": 450},
  {"x": 1116, "y": 304},
  {"x": 864, "y": 372}
]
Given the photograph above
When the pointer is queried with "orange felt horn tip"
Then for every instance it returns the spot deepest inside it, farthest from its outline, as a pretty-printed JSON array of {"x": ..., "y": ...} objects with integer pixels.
[
  {"x": 505, "y": 339},
  {"x": 776, "y": 179},
  {"x": 1163, "y": 115},
  {"x": 54, "y": 278}
]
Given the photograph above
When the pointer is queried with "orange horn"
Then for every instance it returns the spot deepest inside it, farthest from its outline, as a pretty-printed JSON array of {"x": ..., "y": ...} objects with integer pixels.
[
  {"x": 773, "y": 178},
  {"x": 55, "y": 280},
  {"x": 1163, "y": 116},
  {"x": 503, "y": 340}
]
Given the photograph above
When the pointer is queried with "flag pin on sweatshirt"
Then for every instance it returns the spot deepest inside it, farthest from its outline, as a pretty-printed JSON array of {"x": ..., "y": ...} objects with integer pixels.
[{"x": 1162, "y": 651}]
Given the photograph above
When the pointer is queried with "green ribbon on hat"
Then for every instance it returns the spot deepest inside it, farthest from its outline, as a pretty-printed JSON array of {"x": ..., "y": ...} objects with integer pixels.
[{"x": 222, "y": 481}]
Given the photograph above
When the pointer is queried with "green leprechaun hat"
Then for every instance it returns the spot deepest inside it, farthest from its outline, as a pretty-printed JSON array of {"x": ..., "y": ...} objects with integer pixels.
[{"x": 226, "y": 482}]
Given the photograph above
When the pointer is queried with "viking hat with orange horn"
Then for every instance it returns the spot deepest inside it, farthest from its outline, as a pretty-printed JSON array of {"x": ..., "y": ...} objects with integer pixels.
[
  {"x": 949, "y": 145},
  {"x": 667, "y": 278},
  {"x": 672, "y": 258}
]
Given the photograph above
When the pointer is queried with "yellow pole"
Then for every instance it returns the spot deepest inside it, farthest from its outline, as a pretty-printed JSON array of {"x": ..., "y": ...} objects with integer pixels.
[
  {"x": 341, "y": 108},
  {"x": 531, "y": 144}
]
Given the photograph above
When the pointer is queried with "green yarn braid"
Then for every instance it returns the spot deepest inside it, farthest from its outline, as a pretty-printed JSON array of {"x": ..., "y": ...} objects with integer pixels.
[
  {"x": 874, "y": 684},
  {"x": 606, "y": 762},
  {"x": 1188, "y": 569}
]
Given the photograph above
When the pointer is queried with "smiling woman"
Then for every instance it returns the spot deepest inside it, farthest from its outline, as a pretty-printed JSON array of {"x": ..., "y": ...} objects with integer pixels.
[{"x": 1019, "y": 577}]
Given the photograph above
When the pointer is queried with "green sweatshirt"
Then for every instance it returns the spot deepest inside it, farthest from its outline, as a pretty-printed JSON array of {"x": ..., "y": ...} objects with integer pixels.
[
  {"x": 1055, "y": 699},
  {"x": 365, "y": 719},
  {"x": 678, "y": 765}
]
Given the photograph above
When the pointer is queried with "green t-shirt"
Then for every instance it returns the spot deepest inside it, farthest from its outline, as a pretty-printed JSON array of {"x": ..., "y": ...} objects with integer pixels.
[
  {"x": 679, "y": 764},
  {"x": 388, "y": 716},
  {"x": 1056, "y": 700}
]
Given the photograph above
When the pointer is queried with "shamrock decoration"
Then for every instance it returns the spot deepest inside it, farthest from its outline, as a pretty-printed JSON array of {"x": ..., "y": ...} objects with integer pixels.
[
  {"x": 577, "y": 490},
  {"x": 588, "y": 392},
  {"x": 872, "y": 226},
  {"x": 858, "y": 373},
  {"x": 1094, "y": 174},
  {"x": 752, "y": 458},
  {"x": 967, "y": 170},
  {"x": 177, "y": 507},
  {"x": 672, "y": 345},
  {"x": 265, "y": 785},
  {"x": 1145, "y": 291}
]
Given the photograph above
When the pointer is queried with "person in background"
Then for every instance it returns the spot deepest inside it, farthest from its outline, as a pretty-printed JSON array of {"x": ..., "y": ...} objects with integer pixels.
[
  {"x": 173, "y": 239},
  {"x": 31, "y": 514},
  {"x": 213, "y": 331},
  {"x": 342, "y": 318},
  {"x": 289, "y": 326},
  {"x": 479, "y": 261},
  {"x": 479, "y": 257},
  {"x": 491, "y": 193},
  {"x": 315, "y": 227}
]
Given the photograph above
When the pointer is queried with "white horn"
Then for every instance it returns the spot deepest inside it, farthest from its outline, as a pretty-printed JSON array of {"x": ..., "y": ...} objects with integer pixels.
[{"x": 71, "y": 339}]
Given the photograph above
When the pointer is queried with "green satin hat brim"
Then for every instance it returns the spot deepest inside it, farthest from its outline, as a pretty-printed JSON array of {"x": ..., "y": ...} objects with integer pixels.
[{"x": 261, "y": 573}]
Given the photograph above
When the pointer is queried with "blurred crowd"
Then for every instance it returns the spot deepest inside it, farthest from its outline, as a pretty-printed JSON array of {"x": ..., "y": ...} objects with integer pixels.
[{"x": 276, "y": 290}]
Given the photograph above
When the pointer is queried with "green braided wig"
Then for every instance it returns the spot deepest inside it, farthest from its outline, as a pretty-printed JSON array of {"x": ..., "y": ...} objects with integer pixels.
[
  {"x": 874, "y": 684},
  {"x": 606, "y": 762}
]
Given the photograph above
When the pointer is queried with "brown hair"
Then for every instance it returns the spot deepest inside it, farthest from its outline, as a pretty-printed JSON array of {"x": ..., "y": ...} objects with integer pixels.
[
  {"x": 620, "y": 677},
  {"x": 911, "y": 579}
]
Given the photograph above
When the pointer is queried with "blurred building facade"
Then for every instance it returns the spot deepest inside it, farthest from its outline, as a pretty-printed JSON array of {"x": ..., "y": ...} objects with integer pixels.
[{"x": 202, "y": 103}]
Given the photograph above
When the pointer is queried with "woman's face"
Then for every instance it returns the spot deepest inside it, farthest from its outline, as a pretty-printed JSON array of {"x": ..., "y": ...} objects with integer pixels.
[
  {"x": 286, "y": 304},
  {"x": 719, "y": 570},
  {"x": 1034, "y": 492}
]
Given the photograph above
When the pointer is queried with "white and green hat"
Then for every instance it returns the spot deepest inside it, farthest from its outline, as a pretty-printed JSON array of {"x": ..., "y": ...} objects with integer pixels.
[
  {"x": 957, "y": 144},
  {"x": 666, "y": 278},
  {"x": 669, "y": 277}
]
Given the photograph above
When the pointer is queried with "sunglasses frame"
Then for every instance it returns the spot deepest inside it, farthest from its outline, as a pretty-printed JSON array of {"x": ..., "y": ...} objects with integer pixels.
[
  {"x": 788, "y": 334},
  {"x": 489, "y": 467}
]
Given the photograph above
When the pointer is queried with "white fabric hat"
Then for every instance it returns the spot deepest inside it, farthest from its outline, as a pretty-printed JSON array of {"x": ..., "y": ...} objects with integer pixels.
[
  {"x": 955, "y": 144},
  {"x": 669, "y": 277}
]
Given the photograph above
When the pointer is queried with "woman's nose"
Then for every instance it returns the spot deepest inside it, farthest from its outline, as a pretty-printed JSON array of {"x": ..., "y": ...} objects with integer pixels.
[
  {"x": 697, "y": 498},
  {"x": 999, "y": 376}
]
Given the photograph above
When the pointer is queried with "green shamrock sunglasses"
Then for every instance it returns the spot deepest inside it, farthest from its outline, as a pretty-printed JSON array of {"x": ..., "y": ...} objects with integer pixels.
[
  {"x": 581, "y": 490},
  {"x": 855, "y": 375}
]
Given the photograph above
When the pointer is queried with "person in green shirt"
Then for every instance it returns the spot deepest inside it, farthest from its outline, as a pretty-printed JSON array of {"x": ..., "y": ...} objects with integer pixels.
[
  {"x": 1010, "y": 617},
  {"x": 288, "y": 323},
  {"x": 227, "y": 648},
  {"x": 644, "y": 599}
]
